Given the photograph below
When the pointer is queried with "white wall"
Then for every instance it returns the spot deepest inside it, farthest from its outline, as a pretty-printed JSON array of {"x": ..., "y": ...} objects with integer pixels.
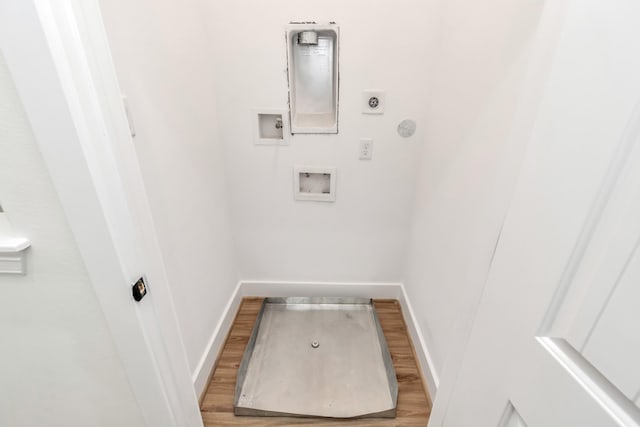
[
  {"x": 570, "y": 230},
  {"x": 362, "y": 236},
  {"x": 59, "y": 366},
  {"x": 483, "y": 94},
  {"x": 426, "y": 210},
  {"x": 158, "y": 49}
]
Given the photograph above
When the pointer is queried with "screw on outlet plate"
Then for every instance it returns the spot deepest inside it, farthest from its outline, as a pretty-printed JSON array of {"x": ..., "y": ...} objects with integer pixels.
[{"x": 374, "y": 102}]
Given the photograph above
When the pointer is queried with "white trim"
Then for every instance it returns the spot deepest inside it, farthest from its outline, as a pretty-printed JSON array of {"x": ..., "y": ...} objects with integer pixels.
[
  {"x": 13, "y": 255},
  {"x": 159, "y": 320},
  {"x": 14, "y": 244},
  {"x": 13, "y": 262},
  {"x": 12, "y": 248},
  {"x": 608, "y": 396},
  {"x": 200, "y": 376},
  {"x": 382, "y": 290},
  {"x": 321, "y": 289},
  {"x": 420, "y": 344}
]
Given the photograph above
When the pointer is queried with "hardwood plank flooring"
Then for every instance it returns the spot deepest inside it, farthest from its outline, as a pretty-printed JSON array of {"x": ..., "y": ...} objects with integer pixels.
[{"x": 414, "y": 405}]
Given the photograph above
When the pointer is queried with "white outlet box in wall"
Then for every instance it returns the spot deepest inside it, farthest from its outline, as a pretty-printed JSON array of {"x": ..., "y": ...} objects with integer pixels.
[
  {"x": 270, "y": 127},
  {"x": 314, "y": 183}
]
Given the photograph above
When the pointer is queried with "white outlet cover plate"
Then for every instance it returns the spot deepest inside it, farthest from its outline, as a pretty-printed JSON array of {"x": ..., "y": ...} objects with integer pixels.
[
  {"x": 366, "y": 148},
  {"x": 367, "y": 95}
]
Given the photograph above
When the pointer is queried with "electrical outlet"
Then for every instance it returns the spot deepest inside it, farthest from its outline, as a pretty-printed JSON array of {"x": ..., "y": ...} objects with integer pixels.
[{"x": 366, "y": 148}]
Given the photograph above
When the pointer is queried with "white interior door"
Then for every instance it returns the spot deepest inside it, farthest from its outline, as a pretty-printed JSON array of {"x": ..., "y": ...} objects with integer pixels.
[{"x": 556, "y": 341}]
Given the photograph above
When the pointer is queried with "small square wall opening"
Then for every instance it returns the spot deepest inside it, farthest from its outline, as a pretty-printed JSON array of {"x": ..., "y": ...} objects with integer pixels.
[
  {"x": 270, "y": 127},
  {"x": 314, "y": 183}
]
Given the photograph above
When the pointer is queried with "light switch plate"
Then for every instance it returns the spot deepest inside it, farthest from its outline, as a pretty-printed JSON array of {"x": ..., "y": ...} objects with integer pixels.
[{"x": 373, "y": 102}]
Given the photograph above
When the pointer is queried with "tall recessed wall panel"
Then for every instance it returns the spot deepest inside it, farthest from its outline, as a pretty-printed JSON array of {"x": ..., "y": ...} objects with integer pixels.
[{"x": 312, "y": 51}]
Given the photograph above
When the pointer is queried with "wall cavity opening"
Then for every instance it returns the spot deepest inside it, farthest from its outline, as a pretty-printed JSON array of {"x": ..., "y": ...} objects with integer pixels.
[
  {"x": 270, "y": 127},
  {"x": 312, "y": 52},
  {"x": 314, "y": 183}
]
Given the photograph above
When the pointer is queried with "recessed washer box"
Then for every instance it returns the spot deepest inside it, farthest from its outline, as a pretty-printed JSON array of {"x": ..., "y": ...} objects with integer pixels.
[
  {"x": 270, "y": 127},
  {"x": 314, "y": 183}
]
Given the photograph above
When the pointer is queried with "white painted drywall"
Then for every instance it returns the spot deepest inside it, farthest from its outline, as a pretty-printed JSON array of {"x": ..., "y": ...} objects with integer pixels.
[
  {"x": 159, "y": 53},
  {"x": 59, "y": 365},
  {"x": 482, "y": 101},
  {"x": 193, "y": 74},
  {"x": 362, "y": 236}
]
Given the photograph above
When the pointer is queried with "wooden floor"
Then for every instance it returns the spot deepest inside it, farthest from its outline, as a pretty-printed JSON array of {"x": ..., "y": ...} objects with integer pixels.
[{"x": 414, "y": 406}]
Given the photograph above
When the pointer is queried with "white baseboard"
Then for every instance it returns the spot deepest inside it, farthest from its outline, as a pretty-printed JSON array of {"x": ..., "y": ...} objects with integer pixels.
[
  {"x": 319, "y": 289},
  {"x": 200, "y": 375},
  {"x": 419, "y": 343}
]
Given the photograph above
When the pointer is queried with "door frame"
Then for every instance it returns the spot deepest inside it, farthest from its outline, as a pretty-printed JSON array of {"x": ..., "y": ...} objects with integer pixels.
[{"x": 57, "y": 52}]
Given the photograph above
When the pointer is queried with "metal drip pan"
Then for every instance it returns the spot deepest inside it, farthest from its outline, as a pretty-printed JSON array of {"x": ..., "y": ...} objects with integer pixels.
[{"x": 317, "y": 357}]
